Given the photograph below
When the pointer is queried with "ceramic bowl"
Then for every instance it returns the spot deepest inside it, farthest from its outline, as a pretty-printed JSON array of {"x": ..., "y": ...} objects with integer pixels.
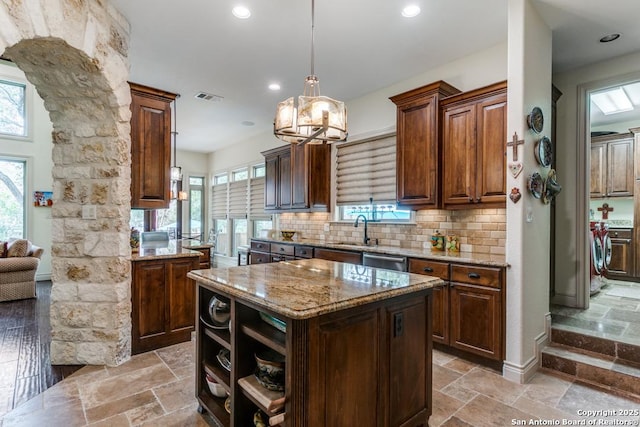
[
  {"x": 215, "y": 388},
  {"x": 270, "y": 370},
  {"x": 287, "y": 235},
  {"x": 219, "y": 312}
]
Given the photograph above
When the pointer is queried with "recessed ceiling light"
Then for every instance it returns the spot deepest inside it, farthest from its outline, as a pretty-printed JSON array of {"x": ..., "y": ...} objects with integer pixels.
[
  {"x": 609, "y": 38},
  {"x": 274, "y": 86},
  {"x": 411, "y": 10},
  {"x": 241, "y": 12}
]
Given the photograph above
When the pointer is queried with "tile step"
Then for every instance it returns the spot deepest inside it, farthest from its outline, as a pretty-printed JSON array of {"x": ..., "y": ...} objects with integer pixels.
[
  {"x": 596, "y": 345},
  {"x": 617, "y": 376}
]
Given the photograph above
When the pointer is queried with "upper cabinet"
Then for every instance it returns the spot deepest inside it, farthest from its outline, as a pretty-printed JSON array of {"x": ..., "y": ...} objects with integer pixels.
[
  {"x": 474, "y": 157},
  {"x": 150, "y": 147},
  {"x": 298, "y": 178},
  {"x": 418, "y": 145},
  {"x": 612, "y": 165}
]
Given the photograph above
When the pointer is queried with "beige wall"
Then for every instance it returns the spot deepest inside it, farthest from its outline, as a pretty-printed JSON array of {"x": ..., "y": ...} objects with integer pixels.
[
  {"x": 37, "y": 152},
  {"x": 572, "y": 262}
]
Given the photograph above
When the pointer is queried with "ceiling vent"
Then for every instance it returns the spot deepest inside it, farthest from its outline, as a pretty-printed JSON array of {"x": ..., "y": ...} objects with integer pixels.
[{"x": 209, "y": 97}]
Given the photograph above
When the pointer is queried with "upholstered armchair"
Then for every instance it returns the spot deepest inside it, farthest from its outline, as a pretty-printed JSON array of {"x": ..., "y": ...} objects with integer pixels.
[{"x": 19, "y": 260}]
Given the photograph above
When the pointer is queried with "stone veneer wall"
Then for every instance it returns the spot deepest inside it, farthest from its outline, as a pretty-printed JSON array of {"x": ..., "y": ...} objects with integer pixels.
[
  {"x": 479, "y": 230},
  {"x": 75, "y": 54}
]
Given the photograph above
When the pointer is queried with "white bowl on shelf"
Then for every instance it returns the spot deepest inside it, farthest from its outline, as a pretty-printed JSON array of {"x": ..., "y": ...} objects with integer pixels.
[{"x": 215, "y": 388}]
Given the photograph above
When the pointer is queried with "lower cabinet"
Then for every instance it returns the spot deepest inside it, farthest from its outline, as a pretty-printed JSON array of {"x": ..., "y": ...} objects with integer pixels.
[
  {"x": 338, "y": 255},
  {"x": 368, "y": 365},
  {"x": 162, "y": 303},
  {"x": 622, "y": 253},
  {"x": 469, "y": 311}
]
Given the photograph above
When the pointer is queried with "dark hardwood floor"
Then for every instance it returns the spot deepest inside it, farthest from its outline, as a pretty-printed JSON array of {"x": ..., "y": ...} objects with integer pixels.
[{"x": 25, "y": 337}]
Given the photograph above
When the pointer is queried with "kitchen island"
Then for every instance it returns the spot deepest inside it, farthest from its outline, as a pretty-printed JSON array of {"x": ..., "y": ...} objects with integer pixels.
[
  {"x": 162, "y": 296},
  {"x": 356, "y": 342}
]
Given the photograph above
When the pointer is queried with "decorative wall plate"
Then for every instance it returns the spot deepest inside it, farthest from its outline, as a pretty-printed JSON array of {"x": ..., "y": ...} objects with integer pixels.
[
  {"x": 535, "y": 120},
  {"x": 515, "y": 168},
  {"x": 536, "y": 185},
  {"x": 544, "y": 152},
  {"x": 551, "y": 187},
  {"x": 515, "y": 195}
]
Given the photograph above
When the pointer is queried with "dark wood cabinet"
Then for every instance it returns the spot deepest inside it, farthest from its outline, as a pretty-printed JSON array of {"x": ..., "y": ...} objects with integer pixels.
[
  {"x": 622, "y": 253},
  {"x": 297, "y": 178},
  {"x": 612, "y": 166},
  {"x": 419, "y": 145},
  {"x": 150, "y": 147},
  {"x": 440, "y": 306},
  {"x": 474, "y": 156},
  {"x": 264, "y": 252},
  {"x": 477, "y": 301},
  {"x": 468, "y": 312},
  {"x": 368, "y": 365},
  {"x": 162, "y": 300},
  {"x": 205, "y": 258}
]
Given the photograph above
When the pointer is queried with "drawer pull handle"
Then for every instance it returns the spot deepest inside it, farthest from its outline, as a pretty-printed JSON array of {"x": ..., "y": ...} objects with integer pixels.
[
  {"x": 281, "y": 249},
  {"x": 428, "y": 270},
  {"x": 473, "y": 275}
]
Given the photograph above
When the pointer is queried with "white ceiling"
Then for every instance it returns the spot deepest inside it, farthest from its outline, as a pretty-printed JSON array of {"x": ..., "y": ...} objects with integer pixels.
[{"x": 360, "y": 46}]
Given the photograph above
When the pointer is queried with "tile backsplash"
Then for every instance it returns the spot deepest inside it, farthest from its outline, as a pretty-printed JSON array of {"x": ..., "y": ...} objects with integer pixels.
[{"x": 479, "y": 230}]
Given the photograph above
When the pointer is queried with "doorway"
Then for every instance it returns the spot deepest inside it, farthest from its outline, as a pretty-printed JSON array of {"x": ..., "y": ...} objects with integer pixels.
[{"x": 610, "y": 303}]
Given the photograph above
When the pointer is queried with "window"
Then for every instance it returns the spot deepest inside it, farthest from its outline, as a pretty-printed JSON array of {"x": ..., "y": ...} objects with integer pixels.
[
  {"x": 222, "y": 235},
  {"x": 167, "y": 219},
  {"x": 261, "y": 224},
  {"x": 12, "y": 198},
  {"x": 240, "y": 175},
  {"x": 196, "y": 208},
  {"x": 13, "y": 109},
  {"x": 240, "y": 236},
  {"x": 221, "y": 179},
  {"x": 259, "y": 170},
  {"x": 366, "y": 181}
]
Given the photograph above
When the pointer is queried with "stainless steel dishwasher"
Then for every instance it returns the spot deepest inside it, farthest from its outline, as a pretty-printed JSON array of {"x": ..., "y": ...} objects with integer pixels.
[{"x": 388, "y": 262}]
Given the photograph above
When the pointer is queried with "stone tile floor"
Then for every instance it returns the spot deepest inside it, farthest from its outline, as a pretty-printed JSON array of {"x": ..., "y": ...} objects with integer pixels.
[
  {"x": 615, "y": 317},
  {"x": 157, "y": 389}
]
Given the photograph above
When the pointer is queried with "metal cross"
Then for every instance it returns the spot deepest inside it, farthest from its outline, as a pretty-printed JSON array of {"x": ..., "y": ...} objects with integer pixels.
[{"x": 514, "y": 144}]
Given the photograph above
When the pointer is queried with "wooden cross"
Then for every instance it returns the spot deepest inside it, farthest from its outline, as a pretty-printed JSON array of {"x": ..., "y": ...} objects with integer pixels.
[
  {"x": 514, "y": 144},
  {"x": 605, "y": 209}
]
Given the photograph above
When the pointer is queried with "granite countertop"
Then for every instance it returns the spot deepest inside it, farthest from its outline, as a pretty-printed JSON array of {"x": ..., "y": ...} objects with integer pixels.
[
  {"x": 172, "y": 249},
  {"x": 195, "y": 244},
  {"x": 466, "y": 257},
  {"x": 309, "y": 288}
]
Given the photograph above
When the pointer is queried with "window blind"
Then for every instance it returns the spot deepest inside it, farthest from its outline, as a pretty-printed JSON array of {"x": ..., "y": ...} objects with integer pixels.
[
  {"x": 366, "y": 169},
  {"x": 256, "y": 198},
  {"x": 238, "y": 199},
  {"x": 219, "y": 201}
]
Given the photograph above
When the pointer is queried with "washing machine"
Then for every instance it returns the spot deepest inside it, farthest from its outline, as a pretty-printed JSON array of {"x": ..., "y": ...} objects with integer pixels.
[
  {"x": 597, "y": 256},
  {"x": 606, "y": 250}
]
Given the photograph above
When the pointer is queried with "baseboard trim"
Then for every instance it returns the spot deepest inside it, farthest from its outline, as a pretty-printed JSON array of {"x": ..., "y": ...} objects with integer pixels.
[{"x": 522, "y": 374}]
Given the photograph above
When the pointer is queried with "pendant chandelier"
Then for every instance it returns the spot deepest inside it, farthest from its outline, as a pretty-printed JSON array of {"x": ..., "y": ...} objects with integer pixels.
[
  {"x": 176, "y": 171},
  {"x": 315, "y": 119}
]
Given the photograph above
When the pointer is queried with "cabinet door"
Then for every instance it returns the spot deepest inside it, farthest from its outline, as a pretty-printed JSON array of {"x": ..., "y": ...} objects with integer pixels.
[
  {"x": 180, "y": 305},
  {"x": 476, "y": 320},
  {"x": 150, "y": 152},
  {"x": 271, "y": 182},
  {"x": 621, "y": 264},
  {"x": 459, "y": 150},
  {"x": 620, "y": 168},
  {"x": 299, "y": 176},
  {"x": 338, "y": 255},
  {"x": 409, "y": 362},
  {"x": 284, "y": 181},
  {"x": 417, "y": 152},
  {"x": 598, "y": 176},
  {"x": 319, "y": 177},
  {"x": 491, "y": 133},
  {"x": 148, "y": 304},
  {"x": 260, "y": 258},
  {"x": 440, "y": 306}
]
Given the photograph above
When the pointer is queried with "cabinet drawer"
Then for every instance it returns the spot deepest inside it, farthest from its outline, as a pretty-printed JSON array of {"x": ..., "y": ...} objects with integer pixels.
[
  {"x": 303, "y": 251},
  {"x": 484, "y": 276},
  {"x": 278, "y": 258},
  {"x": 620, "y": 233},
  {"x": 260, "y": 258},
  {"x": 281, "y": 249},
  {"x": 429, "y": 268},
  {"x": 260, "y": 246}
]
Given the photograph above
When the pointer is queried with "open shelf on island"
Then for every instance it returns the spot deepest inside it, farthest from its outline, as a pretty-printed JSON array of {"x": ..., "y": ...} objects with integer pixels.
[
  {"x": 270, "y": 402},
  {"x": 267, "y": 335},
  {"x": 215, "y": 405},
  {"x": 220, "y": 375},
  {"x": 222, "y": 337}
]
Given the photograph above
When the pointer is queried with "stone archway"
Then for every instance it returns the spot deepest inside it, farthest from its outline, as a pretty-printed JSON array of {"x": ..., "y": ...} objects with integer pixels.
[{"x": 75, "y": 54}]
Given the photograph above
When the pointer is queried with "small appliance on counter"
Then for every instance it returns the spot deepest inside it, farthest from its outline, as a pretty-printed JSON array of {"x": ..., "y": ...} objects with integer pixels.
[{"x": 154, "y": 239}]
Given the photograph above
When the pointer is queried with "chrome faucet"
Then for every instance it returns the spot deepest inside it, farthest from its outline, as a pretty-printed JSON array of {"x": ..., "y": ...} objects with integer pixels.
[{"x": 364, "y": 219}]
